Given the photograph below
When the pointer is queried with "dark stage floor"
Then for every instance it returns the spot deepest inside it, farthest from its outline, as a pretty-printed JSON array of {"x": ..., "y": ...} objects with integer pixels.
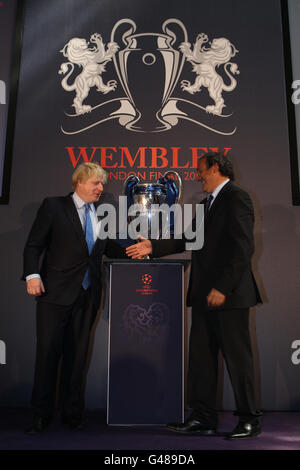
[{"x": 281, "y": 431}]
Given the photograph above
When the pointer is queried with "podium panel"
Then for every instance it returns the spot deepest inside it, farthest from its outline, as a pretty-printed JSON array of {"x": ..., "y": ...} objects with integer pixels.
[{"x": 145, "y": 359}]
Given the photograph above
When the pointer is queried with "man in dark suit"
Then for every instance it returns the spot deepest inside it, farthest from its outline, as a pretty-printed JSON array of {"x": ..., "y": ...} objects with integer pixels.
[
  {"x": 67, "y": 288},
  {"x": 222, "y": 288}
]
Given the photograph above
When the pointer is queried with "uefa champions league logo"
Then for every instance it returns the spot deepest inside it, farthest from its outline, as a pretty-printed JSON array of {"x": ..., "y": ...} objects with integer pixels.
[
  {"x": 148, "y": 65},
  {"x": 147, "y": 279}
]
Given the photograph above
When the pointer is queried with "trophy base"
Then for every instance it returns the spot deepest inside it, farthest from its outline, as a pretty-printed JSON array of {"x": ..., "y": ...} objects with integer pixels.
[
  {"x": 148, "y": 124},
  {"x": 133, "y": 120}
]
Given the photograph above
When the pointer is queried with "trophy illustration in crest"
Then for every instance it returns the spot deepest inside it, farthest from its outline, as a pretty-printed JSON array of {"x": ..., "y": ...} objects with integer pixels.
[{"x": 148, "y": 68}]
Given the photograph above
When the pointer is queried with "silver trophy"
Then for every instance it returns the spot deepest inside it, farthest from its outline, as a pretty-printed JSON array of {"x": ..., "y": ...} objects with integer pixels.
[
  {"x": 148, "y": 68},
  {"x": 156, "y": 222}
]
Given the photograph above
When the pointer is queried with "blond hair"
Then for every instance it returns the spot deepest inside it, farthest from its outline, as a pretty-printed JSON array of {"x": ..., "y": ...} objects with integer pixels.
[{"x": 85, "y": 171}]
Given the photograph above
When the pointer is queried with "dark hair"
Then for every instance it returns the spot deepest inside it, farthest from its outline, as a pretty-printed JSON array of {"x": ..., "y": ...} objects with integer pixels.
[{"x": 224, "y": 164}]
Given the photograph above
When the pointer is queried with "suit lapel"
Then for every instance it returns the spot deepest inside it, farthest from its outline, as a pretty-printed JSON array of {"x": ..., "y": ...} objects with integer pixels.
[
  {"x": 98, "y": 240},
  {"x": 72, "y": 214},
  {"x": 218, "y": 200}
]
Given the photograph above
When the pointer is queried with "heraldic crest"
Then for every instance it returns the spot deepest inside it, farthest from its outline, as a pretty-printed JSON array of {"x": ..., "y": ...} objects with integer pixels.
[{"x": 146, "y": 68}]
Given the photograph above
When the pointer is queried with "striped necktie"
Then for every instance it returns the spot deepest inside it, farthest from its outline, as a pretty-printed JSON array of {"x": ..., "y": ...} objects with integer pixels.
[{"x": 208, "y": 204}]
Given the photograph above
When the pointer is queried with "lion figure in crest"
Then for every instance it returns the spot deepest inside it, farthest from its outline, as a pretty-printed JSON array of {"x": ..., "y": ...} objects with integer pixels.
[
  {"x": 205, "y": 60},
  {"x": 92, "y": 60}
]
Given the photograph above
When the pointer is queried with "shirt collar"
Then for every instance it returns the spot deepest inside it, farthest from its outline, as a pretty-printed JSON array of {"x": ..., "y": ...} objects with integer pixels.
[
  {"x": 79, "y": 203},
  {"x": 218, "y": 188}
]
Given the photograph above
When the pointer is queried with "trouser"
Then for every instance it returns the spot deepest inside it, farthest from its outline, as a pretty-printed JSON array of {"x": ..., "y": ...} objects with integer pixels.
[
  {"x": 228, "y": 331},
  {"x": 63, "y": 332}
]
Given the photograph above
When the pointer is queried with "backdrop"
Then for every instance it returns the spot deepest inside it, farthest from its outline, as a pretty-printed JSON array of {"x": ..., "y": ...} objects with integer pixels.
[{"x": 148, "y": 87}]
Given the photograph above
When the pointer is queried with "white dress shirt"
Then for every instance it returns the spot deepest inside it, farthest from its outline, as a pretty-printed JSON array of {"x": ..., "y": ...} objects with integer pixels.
[
  {"x": 217, "y": 190},
  {"x": 79, "y": 204}
]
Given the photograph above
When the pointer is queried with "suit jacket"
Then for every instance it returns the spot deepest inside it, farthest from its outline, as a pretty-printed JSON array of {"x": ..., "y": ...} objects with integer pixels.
[
  {"x": 57, "y": 234},
  {"x": 224, "y": 262}
]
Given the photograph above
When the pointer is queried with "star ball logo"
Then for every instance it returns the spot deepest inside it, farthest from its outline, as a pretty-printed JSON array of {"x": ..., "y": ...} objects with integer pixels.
[
  {"x": 146, "y": 288},
  {"x": 147, "y": 279}
]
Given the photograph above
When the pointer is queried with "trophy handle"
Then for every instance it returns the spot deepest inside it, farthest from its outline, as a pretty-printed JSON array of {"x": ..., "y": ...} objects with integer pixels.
[
  {"x": 127, "y": 33},
  {"x": 179, "y": 65},
  {"x": 131, "y": 181},
  {"x": 171, "y": 172},
  {"x": 170, "y": 33},
  {"x": 119, "y": 66}
]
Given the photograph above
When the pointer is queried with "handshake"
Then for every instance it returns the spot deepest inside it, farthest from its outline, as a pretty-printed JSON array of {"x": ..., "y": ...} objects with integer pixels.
[{"x": 140, "y": 249}]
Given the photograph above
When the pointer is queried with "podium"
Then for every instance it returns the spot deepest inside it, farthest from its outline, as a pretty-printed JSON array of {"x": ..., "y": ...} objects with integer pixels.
[{"x": 146, "y": 342}]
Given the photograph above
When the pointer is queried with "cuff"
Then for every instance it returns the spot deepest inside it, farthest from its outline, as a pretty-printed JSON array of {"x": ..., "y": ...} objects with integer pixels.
[{"x": 32, "y": 276}]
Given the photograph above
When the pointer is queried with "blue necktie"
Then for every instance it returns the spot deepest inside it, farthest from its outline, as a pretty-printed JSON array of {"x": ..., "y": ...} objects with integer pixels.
[{"x": 89, "y": 236}]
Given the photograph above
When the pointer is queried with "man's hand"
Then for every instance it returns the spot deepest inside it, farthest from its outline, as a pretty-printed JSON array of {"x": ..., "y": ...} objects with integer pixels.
[
  {"x": 140, "y": 249},
  {"x": 35, "y": 286},
  {"x": 215, "y": 298}
]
